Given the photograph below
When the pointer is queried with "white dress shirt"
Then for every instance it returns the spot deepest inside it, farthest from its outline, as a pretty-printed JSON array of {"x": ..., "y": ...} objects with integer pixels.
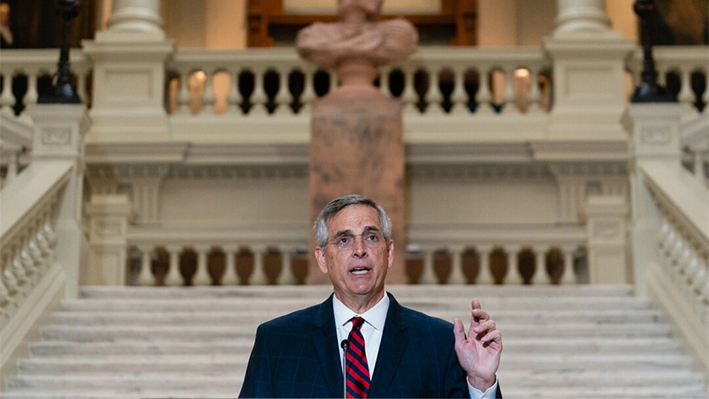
[{"x": 372, "y": 331}]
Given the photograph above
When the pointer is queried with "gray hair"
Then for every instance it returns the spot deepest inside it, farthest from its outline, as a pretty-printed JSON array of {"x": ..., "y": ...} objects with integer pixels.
[{"x": 338, "y": 204}]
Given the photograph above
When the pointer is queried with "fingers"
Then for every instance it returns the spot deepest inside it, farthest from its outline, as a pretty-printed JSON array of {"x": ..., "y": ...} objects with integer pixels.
[
  {"x": 491, "y": 337},
  {"x": 484, "y": 328},
  {"x": 478, "y": 313},
  {"x": 458, "y": 331}
]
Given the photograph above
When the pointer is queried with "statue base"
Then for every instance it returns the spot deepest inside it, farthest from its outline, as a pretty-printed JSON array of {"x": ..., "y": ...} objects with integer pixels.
[{"x": 356, "y": 147}]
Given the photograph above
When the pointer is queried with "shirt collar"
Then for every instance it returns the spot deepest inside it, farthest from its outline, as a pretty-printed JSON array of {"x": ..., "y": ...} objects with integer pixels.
[{"x": 376, "y": 316}]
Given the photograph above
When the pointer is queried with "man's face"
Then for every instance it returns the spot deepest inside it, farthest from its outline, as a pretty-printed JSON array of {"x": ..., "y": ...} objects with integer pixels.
[{"x": 357, "y": 256}]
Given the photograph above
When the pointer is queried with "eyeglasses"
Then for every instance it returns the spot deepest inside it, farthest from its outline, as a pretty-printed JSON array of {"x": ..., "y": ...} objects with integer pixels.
[{"x": 370, "y": 239}]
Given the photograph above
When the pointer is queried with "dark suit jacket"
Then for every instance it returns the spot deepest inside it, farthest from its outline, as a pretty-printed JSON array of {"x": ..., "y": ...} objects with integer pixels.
[{"x": 297, "y": 356}]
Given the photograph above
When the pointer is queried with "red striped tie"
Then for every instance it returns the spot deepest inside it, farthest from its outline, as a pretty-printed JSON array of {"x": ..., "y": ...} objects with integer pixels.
[{"x": 357, "y": 368}]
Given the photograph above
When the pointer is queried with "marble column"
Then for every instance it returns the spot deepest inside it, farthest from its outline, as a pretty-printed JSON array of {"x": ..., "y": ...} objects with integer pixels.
[
  {"x": 581, "y": 16},
  {"x": 136, "y": 15}
]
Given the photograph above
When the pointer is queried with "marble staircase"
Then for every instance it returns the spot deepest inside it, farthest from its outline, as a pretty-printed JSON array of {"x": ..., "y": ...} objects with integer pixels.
[{"x": 560, "y": 342}]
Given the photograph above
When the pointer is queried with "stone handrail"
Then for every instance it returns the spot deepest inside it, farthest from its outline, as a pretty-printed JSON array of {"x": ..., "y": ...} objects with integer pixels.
[
  {"x": 459, "y": 68},
  {"x": 427, "y": 243},
  {"x": 35, "y": 63}
]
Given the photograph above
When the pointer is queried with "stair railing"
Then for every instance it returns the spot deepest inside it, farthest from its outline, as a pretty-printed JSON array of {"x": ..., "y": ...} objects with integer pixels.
[{"x": 670, "y": 225}]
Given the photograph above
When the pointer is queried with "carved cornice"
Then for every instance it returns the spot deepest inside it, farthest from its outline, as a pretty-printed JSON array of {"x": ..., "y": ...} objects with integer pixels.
[
  {"x": 589, "y": 169},
  {"x": 480, "y": 171}
]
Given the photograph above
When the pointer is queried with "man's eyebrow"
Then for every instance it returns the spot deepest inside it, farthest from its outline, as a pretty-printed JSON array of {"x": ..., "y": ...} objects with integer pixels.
[
  {"x": 370, "y": 228},
  {"x": 341, "y": 233}
]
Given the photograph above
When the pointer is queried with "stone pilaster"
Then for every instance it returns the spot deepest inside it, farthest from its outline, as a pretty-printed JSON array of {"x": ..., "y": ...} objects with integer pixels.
[
  {"x": 107, "y": 235},
  {"x": 607, "y": 240}
]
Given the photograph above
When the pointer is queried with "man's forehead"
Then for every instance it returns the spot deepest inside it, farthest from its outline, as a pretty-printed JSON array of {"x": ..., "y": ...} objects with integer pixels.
[{"x": 355, "y": 216}]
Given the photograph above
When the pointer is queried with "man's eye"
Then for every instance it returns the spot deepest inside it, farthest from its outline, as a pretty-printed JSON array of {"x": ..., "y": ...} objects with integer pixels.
[
  {"x": 372, "y": 237},
  {"x": 345, "y": 240}
]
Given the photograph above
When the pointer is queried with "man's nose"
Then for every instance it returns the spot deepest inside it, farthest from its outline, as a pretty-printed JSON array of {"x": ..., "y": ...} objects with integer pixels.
[{"x": 359, "y": 248}]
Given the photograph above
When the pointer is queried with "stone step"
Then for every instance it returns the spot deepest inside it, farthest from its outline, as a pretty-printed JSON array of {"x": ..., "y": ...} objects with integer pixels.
[
  {"x": 322, "y": 291},
  {"x": 256, "y": 317},
  {"x": 284, "y": 305},
  {"x": 243, "y": 347},
  {"x": 194, "y": 380},
  {"x": 551, "y": 393},
  {"x": 226, "y": 363},
  {"x": 211, "y": 333}
]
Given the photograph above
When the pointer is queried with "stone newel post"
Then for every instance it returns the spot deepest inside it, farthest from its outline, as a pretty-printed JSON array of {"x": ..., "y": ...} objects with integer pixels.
[{"x": 59, "y": 131}]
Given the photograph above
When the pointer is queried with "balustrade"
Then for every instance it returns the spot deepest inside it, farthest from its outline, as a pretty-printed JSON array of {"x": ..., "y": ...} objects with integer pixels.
[
  {"x": 683, "y": 70},
  {"x": 29, "y": 72},
  {"x": 276, "y": 73},
  {"x": 686, "y": 268},
  {"x": 222, "y": 262},
  {"x": 26, "y": 253}
]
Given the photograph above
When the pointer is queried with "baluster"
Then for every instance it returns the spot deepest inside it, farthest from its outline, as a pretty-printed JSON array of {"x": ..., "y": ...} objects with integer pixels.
[
  {"x": 258, "y": 277},
  {"x": 534, "y": 98},
  {"x": 81, "y": 85},
  {"x": 230, "y": 277},
  {"x": 458, "y": 97},
  {"x": 284, "y": 98},
  {"x": 13, "y": 288},
  {"x": 333, "y": 81},
  {"x": 540, "y": 276},
  {"x": 568, "y": 274},
  {"x": 308, "y": 91},
  {"x": 31, "y": 95},
  {"x": 384, "y": 81},
  {"x": 457, "y": 276},
  {"x": 484, "y": 96},
  {"x": 699, "y": 165},
  {"x": 434, "y": 97},
  {"x": 408, "y": 96},
  {"x": 484, "y": 274},
  {"x": 208, "y": 98},
  {"x": 513, "y": 276},
  {"x": 174, "y": 277},
  {"x": 686, "y": 95},
  {"x": 286, "y": 277},
  {"x": 234, "y": 99},
  {"x": 705, "y": 96},
  {"x": 183, "y": 97},
  {"x": 146, "y": 278},
  {"x": 259, "y": 98},
  {"x": 7, "y": 100},
  {"x": 510, "y": 97},
  {"x": 5, "y": 301},
  {"x": 11, "y": 167},
  {"x": 201, "y": 276},
  {"x": 429, "y": 275}
]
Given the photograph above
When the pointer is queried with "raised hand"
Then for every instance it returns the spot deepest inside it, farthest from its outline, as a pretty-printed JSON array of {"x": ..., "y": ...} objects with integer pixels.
[{"x": 479, "y": 351}]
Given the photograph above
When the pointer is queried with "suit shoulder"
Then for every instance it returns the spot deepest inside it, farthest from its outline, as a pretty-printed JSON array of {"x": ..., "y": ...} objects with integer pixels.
[
  {"x": 423, "y": 320},
  {"x": 294, "y": 319}
]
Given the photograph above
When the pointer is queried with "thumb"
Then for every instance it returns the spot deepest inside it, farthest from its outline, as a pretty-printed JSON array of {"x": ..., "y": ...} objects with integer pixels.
[{"x": 458, "y": 331}]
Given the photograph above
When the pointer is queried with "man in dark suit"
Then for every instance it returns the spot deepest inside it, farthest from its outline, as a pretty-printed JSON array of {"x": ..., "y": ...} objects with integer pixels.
[{"x": 360, "y": 342}]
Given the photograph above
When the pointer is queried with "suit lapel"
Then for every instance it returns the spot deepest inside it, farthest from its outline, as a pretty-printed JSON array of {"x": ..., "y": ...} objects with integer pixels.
[
  {"x": 325, "y": 342},
  {"x": 394, "y": 343}
]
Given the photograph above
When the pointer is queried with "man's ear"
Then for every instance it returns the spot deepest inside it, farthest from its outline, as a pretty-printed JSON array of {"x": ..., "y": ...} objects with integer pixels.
[
  {"x": 391, "y": 253},
  {"x": 320, "y": 256}
]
